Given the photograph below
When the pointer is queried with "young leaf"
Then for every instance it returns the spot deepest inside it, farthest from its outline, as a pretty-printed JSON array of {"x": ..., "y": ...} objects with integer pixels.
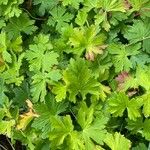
[
  {"x": 119, "y": 102},
  {"x": 75, "y": 142},
  {"x": 79, "y": 79},
  {"x": 143, "y": 78},
  {"x": 112, "y": 5},
  {"x": 89, "y": 39},
  {"x": 117, "y": 141},
  {"x": 10, "y": 8},
  {"x": 146, "y": 106},
  {"x": 92, "y": 129},
  {"x": 73, "y": 3},
  {"x": 134, "y": 108},
  {"x": 137, "y": 5},
  {"x": 6, "y": 127},
  {"x": 3, "y": 48},
  {"x": 7, "y": 46},
  {"x": 81, "y": 18},
  {"x": 12, "y": 75},
  {"x": 90, "y": 4},
  {"x": 61, "y": 130},
  {"x": 60, "y": 91}
]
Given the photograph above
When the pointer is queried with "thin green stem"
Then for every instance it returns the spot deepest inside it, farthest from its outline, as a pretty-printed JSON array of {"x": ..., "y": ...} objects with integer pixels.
[
  {"x": 87, "y": 23},
  {"x": 73, "y": 113},
  {"x": 33, "y": 16}
]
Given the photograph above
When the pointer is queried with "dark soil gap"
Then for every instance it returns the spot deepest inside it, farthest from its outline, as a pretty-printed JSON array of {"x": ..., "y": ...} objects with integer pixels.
[{"x": 4, "y": 143}]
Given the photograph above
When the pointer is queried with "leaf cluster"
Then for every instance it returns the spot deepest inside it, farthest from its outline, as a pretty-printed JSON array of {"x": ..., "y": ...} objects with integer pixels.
[{"x": 75, "y": 74}]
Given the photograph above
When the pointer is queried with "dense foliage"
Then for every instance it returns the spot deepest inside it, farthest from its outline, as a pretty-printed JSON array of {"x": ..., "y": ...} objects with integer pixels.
[{"x": 75, "y": 74}]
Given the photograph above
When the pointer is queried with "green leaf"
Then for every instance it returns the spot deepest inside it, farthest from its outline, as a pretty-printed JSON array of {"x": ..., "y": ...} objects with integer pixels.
[
  {"x": 140, "y": 126},
  {"x": 120, "y": 54},
  {"x": 59, "y": 18},
  {"x": 141, "y": 60},
  {"x": 7, "y": 46},
  {"x": 73, "y": 3},
  {"x": 45, "y": 5},
  {"x": 81, "y": 18},
  {"x": 137, "y": 4},
  {"x": 119, "y": 102},
  {"x": 2, "y": 113},
  {"x": 12, "y": 75},
  {"x": 112, "y": 5},
  {"x": 18, "y": 25},
  {"x": 143, "y": 78},
  {"x": 117, "y": 141},
  {"x": 4, "y": 2},
  {"x": 139, "y": 31},
  {"x": 75, "y": 142},
  {"x": 40, "y": 55},
  {"x": 40, "y": 81},
  {"x": 117, "y": 17},
  {"x": 22, "y": 93},
  {"x": 6, "y": 127},
  {"x": 135, "y": 34},
  {"x": 1, "y": 90},
  {"x": 146, "y": 106},
  {"x": 15, "y": 45},
  {"x": 140, "y": 146},
  {"x": 61, "y": 130},
  {"x": 3, "y": 48},
  {"x": 10, "y": 8},
  {"x": 90, "y": 4},
  {"x": 106, "y": 7},
  {"x": 144, "y": 8},
  {"x": 60, "y": 91},
  {"x": 85, "y": 115},
  {"x": 87, "y": 39},
  {"x": 146, "y": 129},
  {"x": 134, "y": 108},
  {"x": 42, "y": 61},
  {"x": 79, "y": 80},
  {"x": 135, "y": 126},
  {"x": 46, "y": 111},
  {"x": 92, "y": 129},
  {"x": 2, "y": 23},
  {"x": 100, "y": 66}
]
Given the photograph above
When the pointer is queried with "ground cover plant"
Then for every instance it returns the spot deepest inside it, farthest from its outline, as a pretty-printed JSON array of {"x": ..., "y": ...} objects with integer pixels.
[{"x": 75, "y": 74}]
